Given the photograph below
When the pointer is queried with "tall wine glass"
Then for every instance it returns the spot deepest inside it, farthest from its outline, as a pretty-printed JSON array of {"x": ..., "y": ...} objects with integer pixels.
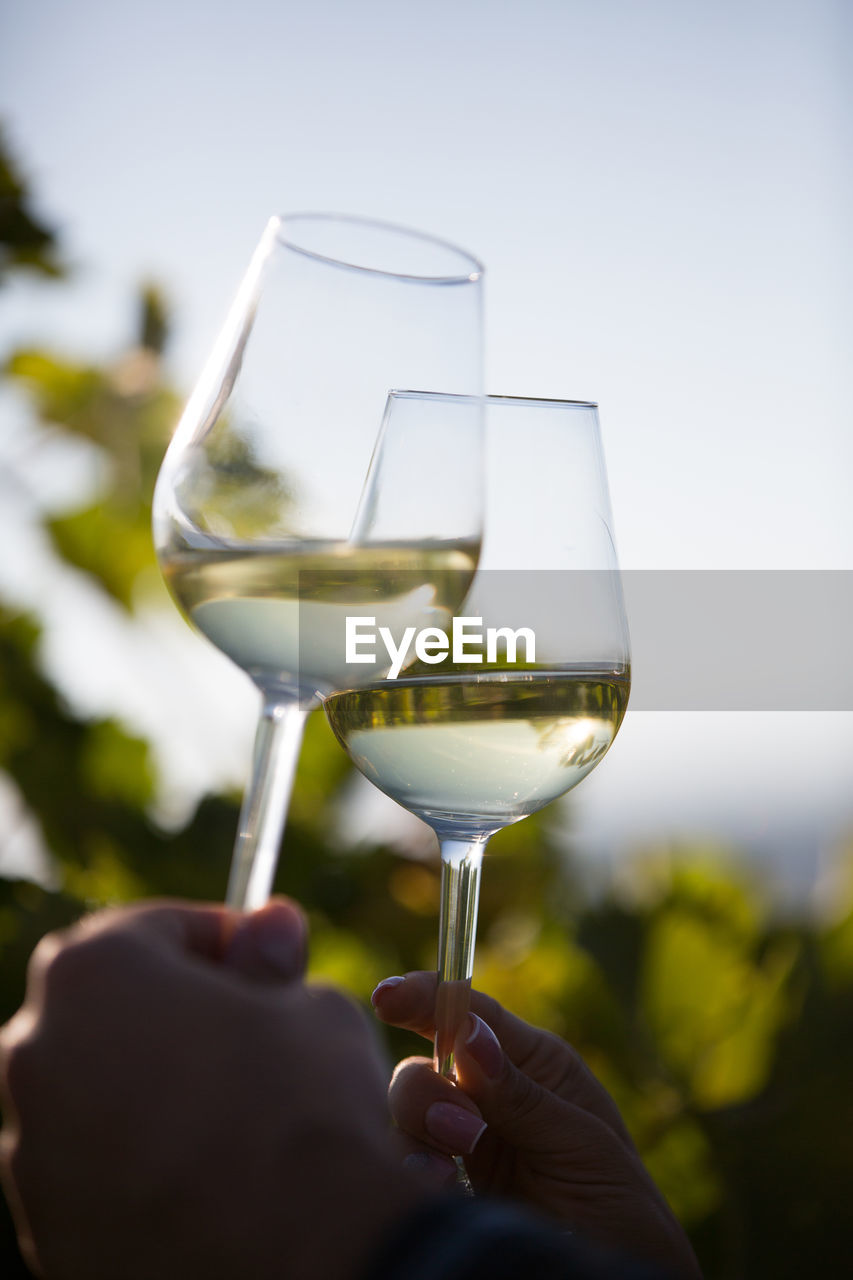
[
  {"x": 471, "y": 747},
  {"x": 277, "y": 508}
]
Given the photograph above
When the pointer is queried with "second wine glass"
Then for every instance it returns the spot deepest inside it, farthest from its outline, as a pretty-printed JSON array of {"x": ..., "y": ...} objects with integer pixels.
[
  {"x": 296, "y": 488},
  {"x": 531, "y": 700}
]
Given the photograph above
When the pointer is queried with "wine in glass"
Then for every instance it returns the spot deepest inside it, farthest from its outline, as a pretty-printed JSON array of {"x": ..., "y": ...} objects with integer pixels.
[
  {"x": 531, "y": 700},
  {"x": 299, "y": 489}
]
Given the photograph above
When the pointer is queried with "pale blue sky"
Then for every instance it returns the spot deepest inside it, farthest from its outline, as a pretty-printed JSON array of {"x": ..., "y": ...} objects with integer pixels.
[{"x": 661, "y": 192}]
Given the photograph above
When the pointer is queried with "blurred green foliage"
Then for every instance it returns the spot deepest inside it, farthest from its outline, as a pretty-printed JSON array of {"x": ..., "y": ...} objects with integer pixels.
[
  {"x": 26, "y": 243},
  {"x": 723, "y": 1034}
]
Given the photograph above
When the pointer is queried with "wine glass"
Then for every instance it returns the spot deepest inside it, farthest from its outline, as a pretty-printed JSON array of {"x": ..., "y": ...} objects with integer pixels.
[
  {"x": 277, "y": 508},
  {"x": 535, "y": 695}
]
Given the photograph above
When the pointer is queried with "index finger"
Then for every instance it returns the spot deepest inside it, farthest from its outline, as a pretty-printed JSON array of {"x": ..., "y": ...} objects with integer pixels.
[
  {"x": 409, "y": 1002},
  {"x": 201, "y": 928},
  {"x": 170, "y": 925}
]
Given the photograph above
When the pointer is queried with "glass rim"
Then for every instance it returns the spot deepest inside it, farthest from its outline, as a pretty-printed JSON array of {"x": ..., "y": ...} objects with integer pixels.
[
  {"x": 472, "y": 277},
  {"x": 547, "y": 401}
]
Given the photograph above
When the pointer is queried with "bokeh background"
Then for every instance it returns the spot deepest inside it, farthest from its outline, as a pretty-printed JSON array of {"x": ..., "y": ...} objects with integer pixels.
[{"x": 662, "y": 194}]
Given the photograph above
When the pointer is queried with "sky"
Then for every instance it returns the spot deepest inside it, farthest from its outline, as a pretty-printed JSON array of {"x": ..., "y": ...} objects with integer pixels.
[{"x": 661, "y": 191}]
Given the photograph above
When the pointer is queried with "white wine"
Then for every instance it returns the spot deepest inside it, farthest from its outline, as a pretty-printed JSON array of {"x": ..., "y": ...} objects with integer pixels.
[
  {"x": 280, "y": 612},
  {"x": 491, "y": 749}
]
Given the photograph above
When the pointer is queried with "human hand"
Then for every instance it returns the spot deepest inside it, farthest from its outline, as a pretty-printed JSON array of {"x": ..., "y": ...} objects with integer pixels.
[
  {"x": 532, "y": 1122},
  {"x": 178, "y": 1103}
]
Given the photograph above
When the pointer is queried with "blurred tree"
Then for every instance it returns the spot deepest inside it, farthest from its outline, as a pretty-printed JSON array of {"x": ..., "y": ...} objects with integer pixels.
[{"x": 722, "y": 1034}]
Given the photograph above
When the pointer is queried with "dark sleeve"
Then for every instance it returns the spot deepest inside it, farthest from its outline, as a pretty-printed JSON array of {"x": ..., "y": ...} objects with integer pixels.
[{"x": 464, "y": 1239}]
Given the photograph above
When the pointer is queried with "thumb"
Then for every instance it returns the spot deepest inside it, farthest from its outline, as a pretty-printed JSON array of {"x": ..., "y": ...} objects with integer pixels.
[
  {"x": 269, "y": 945},
  {"x": 513, "y": 1105}
]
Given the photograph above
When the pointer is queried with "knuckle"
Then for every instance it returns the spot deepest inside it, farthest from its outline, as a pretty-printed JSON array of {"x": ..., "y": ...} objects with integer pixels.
[
  {"x": 10, "y": 1157},
  {"x": 19, "y": 1057},
  {"x": 45, "y": 954},
  {"x": 54, "y": 963},
  {"x": 63, "y": 963}
]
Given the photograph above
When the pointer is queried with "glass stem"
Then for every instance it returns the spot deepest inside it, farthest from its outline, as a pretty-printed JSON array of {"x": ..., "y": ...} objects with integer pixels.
[
  {"x": 461, "y": 862},
  {"x": 262, "y": 817}
]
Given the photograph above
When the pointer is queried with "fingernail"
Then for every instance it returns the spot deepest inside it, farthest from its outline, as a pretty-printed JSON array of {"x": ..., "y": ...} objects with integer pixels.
[
  {"x": 454, "y": 1127},
  {"x": 385, "y": 985},
  {"x": 483, "y": 1046},
  {"x": 435, "y": 1169},
  {"x": 269, "y": 943}
]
